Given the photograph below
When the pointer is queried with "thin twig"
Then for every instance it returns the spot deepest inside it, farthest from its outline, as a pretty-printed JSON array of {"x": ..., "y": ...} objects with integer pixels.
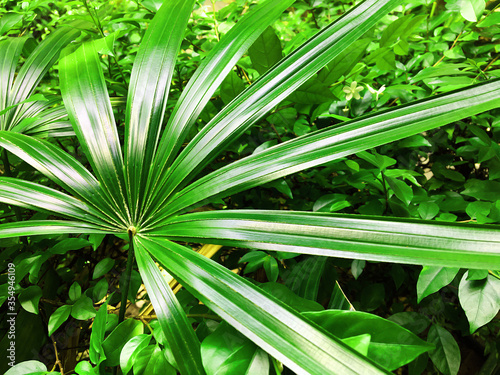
[{"x": 58, "y": 361}]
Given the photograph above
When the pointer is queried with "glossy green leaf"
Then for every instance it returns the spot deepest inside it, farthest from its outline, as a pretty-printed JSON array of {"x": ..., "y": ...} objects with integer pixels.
[
  {"x": 30, "y": 297},
  {"x": 58, "y": 317},
  {"x": 16, "y": 93},
  {"x": 401, "y": 189},
  {"x": 9, "y": 20},
  {"x": 385, "y": 336},
  {"x": 28, "y": 368},
  {"x": 271, "y": 268},
  {"x": 326, "y": 145},
  {"x": 86, "y": 98},
  {"x": 60, "y": 167},
  {"x": 273, "y": 326},
  {"x": 96, "y": 351},
  {"x": 100, "y": 290},
  {"x": 209, "y": 76},
  {"x": 85, "y": 368},
  {"x": 75, "y": 291},
  {"x": 285, "y": 295},
  {"x": 226, "y": 352},
  {"x": 131, "y": 349},
  {"x": 411, "y": 320},
  {"x": 480, "y": 300},
  {"x": 148, "y": 92},
  {"x": 428, "y": 210},
  {"x": 305, "y": 277},
  {"x": 446, "y": 355},
  {"x": 477, "y": 274},
  {"x": 432, "y": 279},
  {"x": 38, "y": 197},
  {"x": 271, "y": 88},
  {"x": 347, "y": 236},
  {"x": 69, "y": 244},
  {"x": 344, "y": 62},
  {"x": 114, "y": 343},
  {"x": 83, "y": 308},
  {"x": 103, "y": 267},
  {"x": 38, "y": 227},
  {"x": 231, "y": 87},
  {"x": 360, "y": 343},
  {"x": 39, "y": 62},
  {"x": 152, "y": 360},
  {"x": 10, "y": 50},
  {"x": 174, "y": 323},
  {"x": 265, "y": 51}
]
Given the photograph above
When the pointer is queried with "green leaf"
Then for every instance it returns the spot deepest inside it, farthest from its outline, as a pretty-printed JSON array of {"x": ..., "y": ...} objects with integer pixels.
[
  {"x": 428, "y": 210},
  {"x": 231, "y": 87},
  {"x": 32, "y": 98},
  {"x": 350, "y": 236},
  {"x": 265, "y": 51},
  {"x": 37, "y": 197},
  {"x": 69, "y": 244},
  {"x": 477, "y": 274},
  {"x": 411, "y": 320},
  {"x": 401, "y": 189},
  {"x": 305, "y": 277},
  {"x": 273, "y": 326},
  {"x": 131, "y": 350},
  {"x": 312, "y": 92},
  {"x": 28, "y": 368},
  {"x": 471, "y": 10},
  {"x": 85, "y": 368},
  {"x": 432, "y": 279},
  {"x": 8, "y": 21},
  {"x": 480, "y": 300},
  {"x": 343, "y": 63},
  {"x": 207, "y": 78},
  {"x": 357, "y": 267},
  {"x": 446, "y": 355},
  {"x": 180, "y": 335},
  {"x": 38, "y": 227},
  {"x": 484, "y": 190},
  {"x": 271, "y": 268},
  {"x": 100, "y": 290},
  {"x": 103, "y": 267},
  {"x": 226, "y": 352},
  {"x": 152, "y": 360},
  {"x": 58, "y": 317},
  {"x": 285, "y": 295},
  {"x": 96, "y": 351},
  {"x": 324, "y": 146},
  {"x": 114, "y": 343},
  {"x": 83, "y": 308},
  {"x": 360, "y": 343},
  {"x": 75, "y": 291},
  {"x": 30, "y": 297},
  {"x": 385, "y": 336},
  {"x": 270, "y": 89},
  {"x": 56, "y": 164},
  {"x": 86, "y": 98}
]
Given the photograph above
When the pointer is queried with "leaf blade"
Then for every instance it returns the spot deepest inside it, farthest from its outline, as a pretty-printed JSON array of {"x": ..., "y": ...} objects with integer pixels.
[
  {"x": 347, "y": 236},
  {"x": 173, "y": 320},
  {"x": 263, "y": 319}
]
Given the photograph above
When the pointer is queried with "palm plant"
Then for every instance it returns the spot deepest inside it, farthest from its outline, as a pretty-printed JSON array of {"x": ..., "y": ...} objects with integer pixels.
[
  {"x": 147, "y": 190},
  {"x": 19, "y": 110}
]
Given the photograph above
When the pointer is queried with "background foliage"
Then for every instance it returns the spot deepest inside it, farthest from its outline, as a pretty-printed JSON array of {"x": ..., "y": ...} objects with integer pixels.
[{"x": 68, "y": 286}]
